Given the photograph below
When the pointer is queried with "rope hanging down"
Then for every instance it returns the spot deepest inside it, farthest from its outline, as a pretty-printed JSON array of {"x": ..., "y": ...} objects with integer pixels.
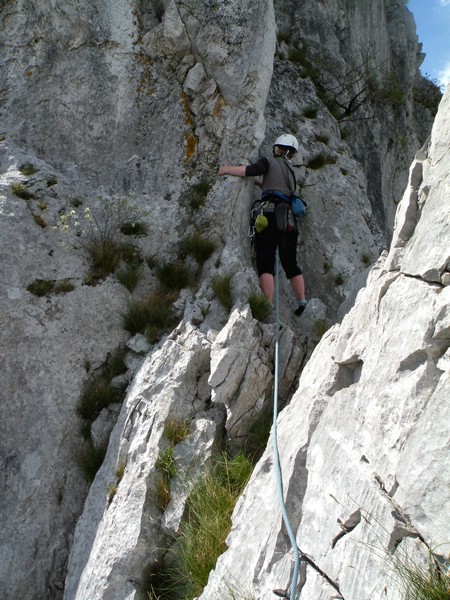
[{"x": 276, "y": 461}]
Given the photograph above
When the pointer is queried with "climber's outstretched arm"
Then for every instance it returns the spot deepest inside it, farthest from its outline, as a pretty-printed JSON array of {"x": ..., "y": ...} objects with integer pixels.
[{"x": 238, "y": 171}]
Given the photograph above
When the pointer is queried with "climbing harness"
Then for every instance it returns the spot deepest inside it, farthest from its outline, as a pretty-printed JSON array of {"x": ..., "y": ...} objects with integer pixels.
[{"x": 276, "y": 461}]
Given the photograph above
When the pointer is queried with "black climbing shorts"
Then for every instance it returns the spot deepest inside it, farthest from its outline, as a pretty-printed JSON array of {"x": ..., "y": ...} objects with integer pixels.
[{"x": 266, "y": 244}]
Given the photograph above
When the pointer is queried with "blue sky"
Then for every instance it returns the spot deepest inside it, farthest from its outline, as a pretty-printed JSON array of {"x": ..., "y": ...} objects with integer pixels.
[{"x": 433, "y": 29}]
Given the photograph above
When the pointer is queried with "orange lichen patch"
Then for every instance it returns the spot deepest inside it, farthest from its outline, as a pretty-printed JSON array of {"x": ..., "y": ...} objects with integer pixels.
[
  {"x": 190, "y": 141},
  {"x": 220, "y": 103},
  {"x": 187, "y": 111},
  {"x": 144, "y": 59}
]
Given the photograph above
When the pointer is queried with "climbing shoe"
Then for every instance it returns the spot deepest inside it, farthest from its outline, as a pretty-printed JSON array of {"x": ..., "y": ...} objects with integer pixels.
[{"x": 301, "y": 307}]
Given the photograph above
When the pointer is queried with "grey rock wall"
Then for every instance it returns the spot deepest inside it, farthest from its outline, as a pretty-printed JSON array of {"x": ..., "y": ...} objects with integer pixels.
[{"x": 144, "y": 100}]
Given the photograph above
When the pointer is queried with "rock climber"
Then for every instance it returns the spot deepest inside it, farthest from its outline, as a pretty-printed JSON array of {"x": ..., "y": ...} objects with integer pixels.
[{"x": 277, "y": 177}]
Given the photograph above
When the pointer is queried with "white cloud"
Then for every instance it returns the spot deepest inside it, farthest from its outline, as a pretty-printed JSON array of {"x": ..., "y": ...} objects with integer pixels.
[
  {"x": 445, "y": 2},
  {"x": 444, "y": 74}
]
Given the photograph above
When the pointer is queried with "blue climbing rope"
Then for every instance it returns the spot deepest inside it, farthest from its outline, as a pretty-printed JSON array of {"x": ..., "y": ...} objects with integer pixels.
[{"x": 278, "y": 475}]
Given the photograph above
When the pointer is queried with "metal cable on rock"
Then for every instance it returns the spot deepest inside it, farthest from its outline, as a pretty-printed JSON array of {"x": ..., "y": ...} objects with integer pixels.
[{"x": 278, "y": 475}]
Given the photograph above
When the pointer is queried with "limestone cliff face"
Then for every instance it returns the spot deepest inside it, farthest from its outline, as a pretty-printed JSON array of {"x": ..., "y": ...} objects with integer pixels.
[
  {"x": 364, "y": 477},
  {"x": 144, "y": 100}
]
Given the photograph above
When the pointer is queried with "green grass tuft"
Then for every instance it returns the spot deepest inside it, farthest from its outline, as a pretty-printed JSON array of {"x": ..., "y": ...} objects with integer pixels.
[
  {"x": 41, "y": 287},
  {"x": 258, "y": 435},
  {"x": 39, "y": 220},
  {"x": 320, "y": 327},
  {"x": 134, "y": 228},
  {"x": 90, "y": 459},
  {"x": 129, "y": 276},
  {"x": 311, "y": 112},
  {"x": 203, "y": 534},
  {"x": 105, "y": 256},
  {"x": 174, "y": 275},
  {"x": 221, "y": 286},
  {"x": 153, "y": 314},
  {"x": 27, "y": 169},
  {"x": 259, "y": 305},
  {"x": 97, "y": 394},
  {"x": 199, "y": 247},
  {"x": 19, "y": 190},
  {"x": 195, "y": 197},
  {"x": 176, "y": 431},
  {"x": 320, "y": 160}
]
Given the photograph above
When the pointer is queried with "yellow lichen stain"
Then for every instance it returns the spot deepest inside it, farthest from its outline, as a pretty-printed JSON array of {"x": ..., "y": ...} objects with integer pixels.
[
  {"x": 29, "y": 73},
  {"x": 190, "y": 141},
  {"x": 187, "y": 111},
  {"x": 217, "y": 110}
]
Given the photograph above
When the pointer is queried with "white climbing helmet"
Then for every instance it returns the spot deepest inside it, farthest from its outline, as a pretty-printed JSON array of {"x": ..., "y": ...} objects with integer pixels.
[{"x": 287, "y": 140}]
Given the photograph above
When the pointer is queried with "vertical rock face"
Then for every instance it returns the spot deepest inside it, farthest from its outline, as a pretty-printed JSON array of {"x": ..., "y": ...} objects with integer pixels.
[
  {"x": 144, "y": 100},
  {"x": 364, "y": 441}
]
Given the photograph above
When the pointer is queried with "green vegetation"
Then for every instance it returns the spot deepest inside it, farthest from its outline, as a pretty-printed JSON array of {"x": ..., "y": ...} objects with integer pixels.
[
  {"x": 324, "y": 139},
  {"x": 320, "y": 160},
  {"x": 199, "y": 247},
  {"x": 134, "y": 228},
  {"x": 166, "y": 462},
  {"x": 90, "y": 459},
  {"x": 98, "y": 232},
  {"x": 27, "y": 169},
  {"x": 296, "y": 55},
  {"x": 417, "y": 576},
  {"x": 258, "y": 435},
  {"x": 321, "y": 326},
  {"x": 113, "y": 487},
  {"x": 311, "y": 112},
  {"x": 129, "y": 276},
  {"x": 339, "y": 279},
  {"x": 283, "y": 36},
  {"x": 221, "y": 286},
  {"x": 45, "y": 287},
  {"x": 259, "y": 305},
  {"x": 345, "y": 134},
  {"x": 151, "y": 316},
  {"x": 39, "y": 220},
  {"x": 203, "y": 533},
  {"x": 195, "y": 197},
  {"x": 105, "y": 256},
  {"x": 41, "y": 287},
  {"x": 19, "y": 190},
  {"x": 422, "y": 583},
  {"x": 392, "y": 90},
  {"x": 427, "y": 93},
  {"x": 176, "y": 431},
  {"x": 174, "y": 276},
  {"x": 98, "y": 391},
  {"x": 151, "y": 262},
  {"x": 167, "y": 469}
]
